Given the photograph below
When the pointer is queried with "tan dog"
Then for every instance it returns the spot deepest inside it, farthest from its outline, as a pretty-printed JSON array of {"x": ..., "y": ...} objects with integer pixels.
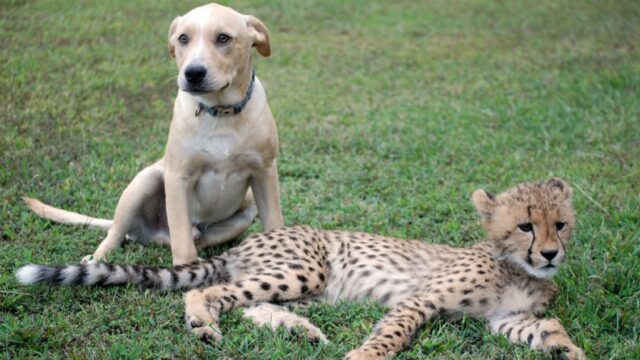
[{"x": 222, "y": 141}]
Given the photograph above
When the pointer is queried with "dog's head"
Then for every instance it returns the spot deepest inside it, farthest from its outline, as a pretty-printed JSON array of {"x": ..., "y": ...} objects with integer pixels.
[{"x": 212, "y": 45}]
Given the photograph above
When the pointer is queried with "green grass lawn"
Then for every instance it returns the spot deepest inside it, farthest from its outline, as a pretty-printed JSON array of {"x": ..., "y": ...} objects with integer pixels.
[{"x": 389, "y": 116}]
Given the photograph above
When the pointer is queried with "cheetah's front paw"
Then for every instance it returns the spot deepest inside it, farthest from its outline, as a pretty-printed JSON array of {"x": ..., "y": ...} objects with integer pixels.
[
  {"x": 204, "y": 332},
  {"x": 574, "y": 353},
  {"x": 199, "y": 320},
  {"x": 363, "y": 354},
  {"x": 207, "y": 334}
]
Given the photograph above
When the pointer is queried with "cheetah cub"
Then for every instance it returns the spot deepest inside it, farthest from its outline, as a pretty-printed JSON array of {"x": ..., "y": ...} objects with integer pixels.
[{"x": 506, "y": 280}]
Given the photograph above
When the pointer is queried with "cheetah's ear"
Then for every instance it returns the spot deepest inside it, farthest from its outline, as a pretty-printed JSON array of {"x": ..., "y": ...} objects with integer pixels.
[
  {"x": 560, "y": 186},
  {"x": 485, "y": 203}
]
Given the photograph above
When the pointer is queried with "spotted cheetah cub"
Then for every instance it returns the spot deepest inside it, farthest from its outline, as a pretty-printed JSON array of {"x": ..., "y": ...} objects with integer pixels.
[{"x": 506, "y": 280}]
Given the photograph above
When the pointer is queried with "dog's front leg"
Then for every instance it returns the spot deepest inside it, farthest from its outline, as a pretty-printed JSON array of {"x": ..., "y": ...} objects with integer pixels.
[
  {"x": 182, "y": 247},
  {"x": 265, "y": 189}
]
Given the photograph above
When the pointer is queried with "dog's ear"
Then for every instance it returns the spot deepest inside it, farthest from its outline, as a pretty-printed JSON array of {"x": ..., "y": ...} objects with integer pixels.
[
  {"x": 259, "y": 34},
  {"x": 172, "y": 30}
]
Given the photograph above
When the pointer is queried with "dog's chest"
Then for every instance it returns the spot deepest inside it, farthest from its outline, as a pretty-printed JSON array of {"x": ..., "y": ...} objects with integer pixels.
[
  {"x": 223, "y": 167},
  {"x": 224, "y": 153},
  {"x": 219, "y": 147}
]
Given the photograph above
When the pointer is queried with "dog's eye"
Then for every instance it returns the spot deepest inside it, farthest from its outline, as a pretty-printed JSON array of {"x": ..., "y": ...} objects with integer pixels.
[
  {"x": 223, "y": 38},
  {"x": 183, "y": 39},
  {"x": 526, "y": 227},
  {"x": 559, "y": 226}
]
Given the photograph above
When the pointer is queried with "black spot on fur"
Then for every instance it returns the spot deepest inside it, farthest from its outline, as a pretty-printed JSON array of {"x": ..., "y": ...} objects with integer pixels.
[
  {"x": 206, "y": 338},
  {"x": 385, "y": 298},
  {"x": 502, "y": 327},
  {"x": 545, "y": 334},
  {"x": 247, "y": 294},
  {"x": 430, "y": 305},
  {"x": 265, "y": 286},
  {"x": 196, "y": 324}
]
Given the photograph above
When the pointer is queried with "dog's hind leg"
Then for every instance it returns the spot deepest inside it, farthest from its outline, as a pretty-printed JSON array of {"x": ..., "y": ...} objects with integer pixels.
[
  {"x": 225, "y": 230},
  {"x": 128, "y": 217}
]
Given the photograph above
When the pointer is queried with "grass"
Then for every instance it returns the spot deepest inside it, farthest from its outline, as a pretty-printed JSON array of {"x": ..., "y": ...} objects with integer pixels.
[{"x": 389, "y": 116}]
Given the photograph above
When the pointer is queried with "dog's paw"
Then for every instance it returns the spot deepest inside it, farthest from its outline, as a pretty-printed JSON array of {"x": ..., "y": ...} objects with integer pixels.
[{"x": 89, "y": 259}]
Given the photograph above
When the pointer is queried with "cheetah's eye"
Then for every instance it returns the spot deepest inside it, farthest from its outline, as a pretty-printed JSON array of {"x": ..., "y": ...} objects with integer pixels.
[
  {"x": 526, "y": 227},
  {"x": 560, "y": 226}
]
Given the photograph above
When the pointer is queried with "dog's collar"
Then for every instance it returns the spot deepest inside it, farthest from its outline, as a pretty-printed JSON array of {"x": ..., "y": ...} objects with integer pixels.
[{"x": 229, "y": 110}]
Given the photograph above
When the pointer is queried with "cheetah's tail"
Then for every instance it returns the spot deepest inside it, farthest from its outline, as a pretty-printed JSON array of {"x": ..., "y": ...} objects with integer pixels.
[{"x": 177, "y": 277}]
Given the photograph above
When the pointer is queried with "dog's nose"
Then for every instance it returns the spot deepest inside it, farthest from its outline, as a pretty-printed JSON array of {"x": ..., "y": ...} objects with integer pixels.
[
  {"x": 195, "y": 74},
  {"x": 549, "y": 254}
]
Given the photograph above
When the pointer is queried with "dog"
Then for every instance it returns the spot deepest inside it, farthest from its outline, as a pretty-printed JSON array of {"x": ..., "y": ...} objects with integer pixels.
[{"x": 219, "y": 168}]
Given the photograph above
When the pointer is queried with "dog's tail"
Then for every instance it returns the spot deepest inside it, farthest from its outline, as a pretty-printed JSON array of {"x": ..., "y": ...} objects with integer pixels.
[
  {"x": 102, "y": 274},
  {"x": 64, "y": 216}
]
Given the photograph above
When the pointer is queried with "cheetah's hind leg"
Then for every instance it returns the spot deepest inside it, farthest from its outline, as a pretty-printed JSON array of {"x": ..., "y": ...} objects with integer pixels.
[
  {"x": 275, "y": 316},
  {"x": 203, "y": 307}
]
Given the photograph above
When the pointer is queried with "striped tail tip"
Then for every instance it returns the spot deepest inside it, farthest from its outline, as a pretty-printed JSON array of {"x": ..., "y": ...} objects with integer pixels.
[{"x": 29, "y": 274}]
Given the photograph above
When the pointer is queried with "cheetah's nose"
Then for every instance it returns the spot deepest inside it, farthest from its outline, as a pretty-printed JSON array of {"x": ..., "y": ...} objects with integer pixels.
[{"x": 549, "y": 254}]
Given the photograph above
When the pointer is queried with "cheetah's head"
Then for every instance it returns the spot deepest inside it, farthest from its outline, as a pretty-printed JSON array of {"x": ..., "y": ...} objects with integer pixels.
[{"x": 529, "y": 224}]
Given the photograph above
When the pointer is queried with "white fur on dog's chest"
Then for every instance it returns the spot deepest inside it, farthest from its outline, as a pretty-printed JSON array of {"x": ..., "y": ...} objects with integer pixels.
[
  {"x": 212, "y": 191},
  {"x": 219, "y": 144},
  {"x": 224, "y": 172}
]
